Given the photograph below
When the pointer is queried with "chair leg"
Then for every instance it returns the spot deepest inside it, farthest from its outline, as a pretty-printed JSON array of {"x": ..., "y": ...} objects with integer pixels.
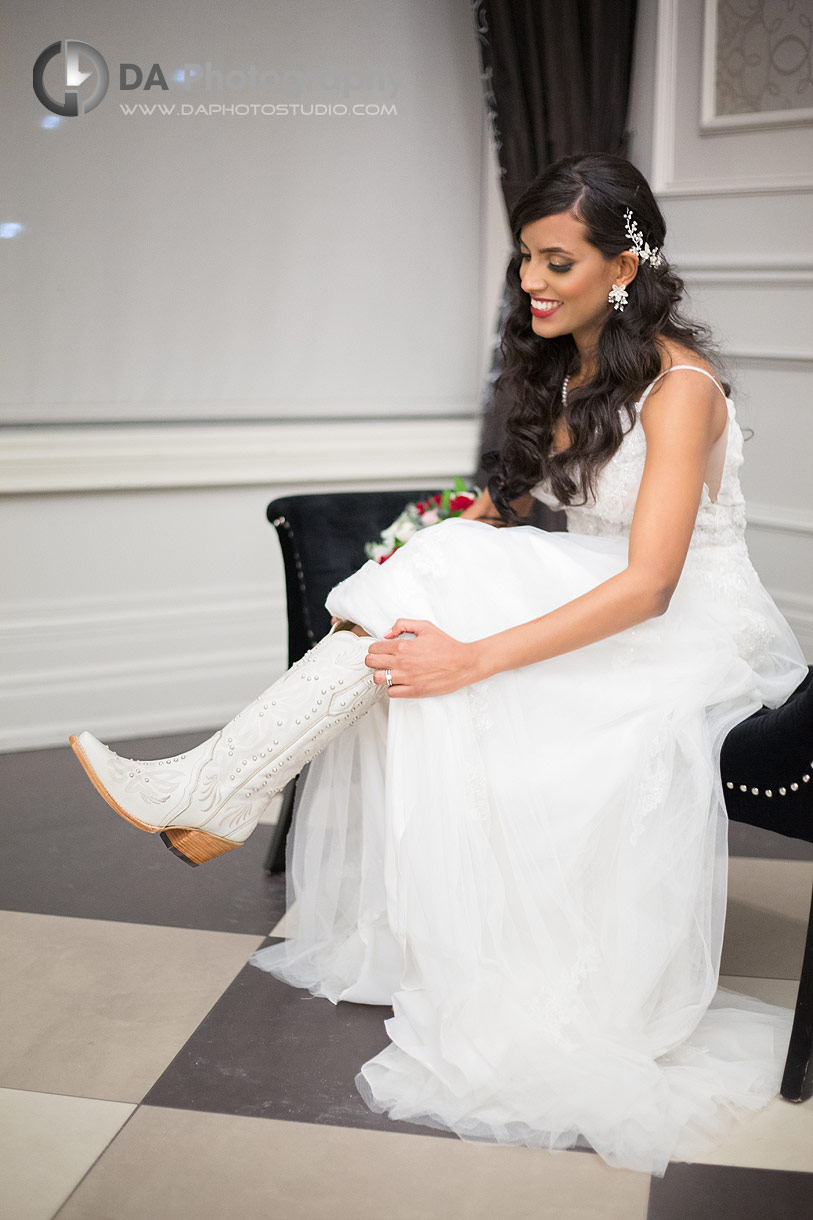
[
  {"x": 800, "y": 1047},
  {"x": 275, "y": 860}
]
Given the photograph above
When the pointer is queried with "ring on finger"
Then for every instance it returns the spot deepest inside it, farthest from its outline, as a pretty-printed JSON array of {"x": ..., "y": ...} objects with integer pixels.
[{"x": 388, "y": 676}]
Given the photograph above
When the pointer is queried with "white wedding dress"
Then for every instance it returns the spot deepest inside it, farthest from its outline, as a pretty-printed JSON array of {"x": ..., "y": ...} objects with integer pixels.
[{"x": 532, "y": 870}]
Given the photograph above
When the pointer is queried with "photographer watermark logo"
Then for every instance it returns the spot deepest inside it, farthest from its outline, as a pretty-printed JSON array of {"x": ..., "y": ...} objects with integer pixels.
[{"x": 74, "y": 77}]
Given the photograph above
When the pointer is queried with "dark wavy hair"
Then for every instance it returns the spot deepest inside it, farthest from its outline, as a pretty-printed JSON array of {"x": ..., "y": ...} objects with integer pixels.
[{"x": 596, "y": 189}]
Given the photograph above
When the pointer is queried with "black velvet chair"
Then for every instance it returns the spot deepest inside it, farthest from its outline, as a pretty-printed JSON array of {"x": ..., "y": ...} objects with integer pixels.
[{"x": 766, "y": 761}]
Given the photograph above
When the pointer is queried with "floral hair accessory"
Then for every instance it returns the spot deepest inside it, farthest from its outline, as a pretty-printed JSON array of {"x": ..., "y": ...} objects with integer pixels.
[
  {"x": 642, "y": 248},
  {"x": 449, "y": 503}
]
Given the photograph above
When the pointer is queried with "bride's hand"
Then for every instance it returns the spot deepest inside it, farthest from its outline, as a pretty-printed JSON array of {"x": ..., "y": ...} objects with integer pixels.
[
  {"x": 433, "y": 663},
  {"x": 481, "y": 509}
]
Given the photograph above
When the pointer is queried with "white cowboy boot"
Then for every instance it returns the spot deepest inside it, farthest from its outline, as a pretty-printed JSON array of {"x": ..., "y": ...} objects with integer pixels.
[{"x": 209, "y": 800}]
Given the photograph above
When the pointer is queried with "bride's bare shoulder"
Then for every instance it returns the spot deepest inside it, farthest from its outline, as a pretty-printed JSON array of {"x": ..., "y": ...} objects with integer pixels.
[{"x": 674, "y": 353}]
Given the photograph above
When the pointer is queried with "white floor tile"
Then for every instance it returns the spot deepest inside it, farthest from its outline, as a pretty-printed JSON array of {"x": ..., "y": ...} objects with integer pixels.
[
  {"x": 47, "y": 1144},
  {"x": 97, "y": 1008},
  {"x": 766, "y": 918},
  {"x": 208, "y": 1166}
]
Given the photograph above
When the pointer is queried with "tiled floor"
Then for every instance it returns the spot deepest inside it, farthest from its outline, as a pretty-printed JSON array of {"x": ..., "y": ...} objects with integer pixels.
[{"x": 147, "y": 1071}]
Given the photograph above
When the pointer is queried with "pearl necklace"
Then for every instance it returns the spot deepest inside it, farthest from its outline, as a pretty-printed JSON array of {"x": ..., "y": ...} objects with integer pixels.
[{"x": 564, "y": 390}]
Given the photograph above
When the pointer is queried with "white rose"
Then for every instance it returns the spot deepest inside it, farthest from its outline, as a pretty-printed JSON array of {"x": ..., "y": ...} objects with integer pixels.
[{"x": 406, "y": 530}]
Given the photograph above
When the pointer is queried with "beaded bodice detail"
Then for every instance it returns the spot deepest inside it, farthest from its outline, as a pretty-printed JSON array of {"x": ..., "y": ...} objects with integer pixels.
[{"x": 719, "y": 522}]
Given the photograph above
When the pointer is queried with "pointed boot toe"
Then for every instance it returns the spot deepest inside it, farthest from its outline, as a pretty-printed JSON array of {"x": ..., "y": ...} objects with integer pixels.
[
  {"x": 209, "y": 800},
  {"x": 147, "y": 792}
]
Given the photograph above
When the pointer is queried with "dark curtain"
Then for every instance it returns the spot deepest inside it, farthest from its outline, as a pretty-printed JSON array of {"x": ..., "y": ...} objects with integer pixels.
[{"x": 556, "y": 77}]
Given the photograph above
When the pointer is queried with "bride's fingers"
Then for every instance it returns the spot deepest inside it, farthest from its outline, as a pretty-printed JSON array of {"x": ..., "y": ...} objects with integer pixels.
[
  {"x": 412, "y": 625},
  {"x": 380, "y": 654},
  {"x": 398, "y": 690},
  {"x": 380, "y": 677}
]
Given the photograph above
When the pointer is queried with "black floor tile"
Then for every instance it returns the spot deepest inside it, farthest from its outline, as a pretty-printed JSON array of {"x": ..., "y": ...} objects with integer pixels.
[
  {"x": 66, "y": 852},
  {"x": 722, "y": 1192},
  {"x": 268, "y": 1050}
]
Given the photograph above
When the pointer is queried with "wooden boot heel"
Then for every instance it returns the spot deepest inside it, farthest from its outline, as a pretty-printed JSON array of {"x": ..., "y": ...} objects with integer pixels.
[{"x": 196, "y": 846}]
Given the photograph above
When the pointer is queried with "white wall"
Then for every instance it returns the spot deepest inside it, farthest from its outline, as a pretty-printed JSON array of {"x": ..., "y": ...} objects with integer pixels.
[
  {"x": 330, "y": 277},
  {"x": 739, "y": 211},
  {"x": 244, "y": 265},
  {"x": 142, "y": 585}
]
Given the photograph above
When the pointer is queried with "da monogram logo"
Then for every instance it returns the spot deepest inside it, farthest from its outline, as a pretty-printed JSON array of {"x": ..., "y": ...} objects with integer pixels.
[{"x": 74, "y": 77}]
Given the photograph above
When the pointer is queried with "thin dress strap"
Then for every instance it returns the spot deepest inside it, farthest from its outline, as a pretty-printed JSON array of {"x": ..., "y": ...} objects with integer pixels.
[{"x": 706, "y": 373}]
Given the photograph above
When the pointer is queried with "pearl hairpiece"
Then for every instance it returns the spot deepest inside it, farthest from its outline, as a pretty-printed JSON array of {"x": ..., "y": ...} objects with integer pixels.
[{"x": 642, "y": 248}]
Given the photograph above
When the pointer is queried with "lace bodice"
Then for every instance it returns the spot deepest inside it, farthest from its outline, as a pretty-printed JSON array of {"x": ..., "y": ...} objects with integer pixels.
[
  {"x": 717, "y": 560},
  {"x": 719, "y": 522}
]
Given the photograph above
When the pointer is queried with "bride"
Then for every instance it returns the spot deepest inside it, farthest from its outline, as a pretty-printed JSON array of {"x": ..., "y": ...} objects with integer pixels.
[{"x": 513, "y": 829}]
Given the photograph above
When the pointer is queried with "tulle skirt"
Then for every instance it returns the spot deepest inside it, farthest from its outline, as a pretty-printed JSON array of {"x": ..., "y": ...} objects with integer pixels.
[{"x": 532, "y": 870}]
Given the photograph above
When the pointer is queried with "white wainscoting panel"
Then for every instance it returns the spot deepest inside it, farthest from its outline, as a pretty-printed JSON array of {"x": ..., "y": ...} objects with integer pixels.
[
  {"x": 88, "y": 457},
  {"x": 149, "y": 595},
  {"x": 688, "y": 161},
  {"x": 123, "y": 666}
]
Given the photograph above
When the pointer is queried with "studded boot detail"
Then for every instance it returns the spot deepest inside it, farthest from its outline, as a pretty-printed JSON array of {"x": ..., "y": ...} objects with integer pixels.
[{"x": 207, "y": 801}]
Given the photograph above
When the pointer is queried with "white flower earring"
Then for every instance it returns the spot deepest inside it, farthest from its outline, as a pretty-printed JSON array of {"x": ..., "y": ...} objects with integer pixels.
[{"x": 618, "y": 296}]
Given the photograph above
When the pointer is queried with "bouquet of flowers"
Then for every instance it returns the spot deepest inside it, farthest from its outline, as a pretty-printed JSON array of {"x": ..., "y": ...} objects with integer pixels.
[{"x": 449, "y": 503}]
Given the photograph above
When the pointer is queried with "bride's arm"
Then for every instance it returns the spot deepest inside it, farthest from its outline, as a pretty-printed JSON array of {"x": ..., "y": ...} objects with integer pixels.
[{"x": 681, "y": 422}]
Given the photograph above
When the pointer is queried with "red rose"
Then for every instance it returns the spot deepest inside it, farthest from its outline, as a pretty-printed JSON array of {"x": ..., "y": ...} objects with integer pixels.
[{"x": 460, "y": 502}]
